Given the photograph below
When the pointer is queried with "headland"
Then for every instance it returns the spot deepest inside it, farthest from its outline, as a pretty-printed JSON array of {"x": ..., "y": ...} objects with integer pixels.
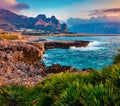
[{"x": 20, "y": 59}]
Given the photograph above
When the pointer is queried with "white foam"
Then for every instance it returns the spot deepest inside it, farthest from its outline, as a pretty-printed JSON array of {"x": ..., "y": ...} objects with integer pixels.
[
  {"x": 93, "y": 46},
  {"x": 94, "y": 43},
  {"x": 45, "y": 59},
  {"x": 87, "y": 48},
  {"x": 45, "y": 56}
]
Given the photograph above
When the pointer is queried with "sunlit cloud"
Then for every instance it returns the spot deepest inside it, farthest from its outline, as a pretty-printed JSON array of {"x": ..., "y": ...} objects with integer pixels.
[
  {"x": 13, "y": 5},
  {"x": 105, "y": 12}
]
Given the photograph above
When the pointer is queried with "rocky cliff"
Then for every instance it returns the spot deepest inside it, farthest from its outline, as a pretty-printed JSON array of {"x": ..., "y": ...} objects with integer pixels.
[{"x": 20, "y": 61}]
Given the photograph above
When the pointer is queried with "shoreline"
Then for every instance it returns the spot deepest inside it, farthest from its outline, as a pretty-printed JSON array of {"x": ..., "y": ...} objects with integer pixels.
[
  {"x": 82, "y": 35},
  {"x": 37, "y": 38},
  {"x": 20, "y": 62}
]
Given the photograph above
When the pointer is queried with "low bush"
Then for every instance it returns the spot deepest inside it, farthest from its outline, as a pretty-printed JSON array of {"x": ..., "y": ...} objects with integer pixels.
[
  {"x": 117, "y": 58},
  {"x": 96, "y": 88},
  {"x": 10, "y": 36}
]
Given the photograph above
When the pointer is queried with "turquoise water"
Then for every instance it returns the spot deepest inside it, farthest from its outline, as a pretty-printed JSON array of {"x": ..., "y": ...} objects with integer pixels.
[{"x": 98, "y": 54}]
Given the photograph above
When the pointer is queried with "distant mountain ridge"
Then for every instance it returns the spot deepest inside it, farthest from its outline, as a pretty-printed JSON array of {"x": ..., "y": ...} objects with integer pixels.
[
  {"x": 11, "y": 21},
  {"x": 97, "y": 28},
  {"x": 99, "y": 25}
]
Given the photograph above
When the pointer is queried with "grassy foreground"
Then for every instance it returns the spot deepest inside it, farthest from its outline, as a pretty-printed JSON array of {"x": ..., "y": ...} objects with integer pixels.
[{"x": 97, "y": 88}]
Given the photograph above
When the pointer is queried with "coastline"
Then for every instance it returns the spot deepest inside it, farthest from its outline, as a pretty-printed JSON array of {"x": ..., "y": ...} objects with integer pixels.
[
  {"x": 20, "y": 61},
  {"x": 82, "y": 35},
  {"x": 37, "y": 38}
]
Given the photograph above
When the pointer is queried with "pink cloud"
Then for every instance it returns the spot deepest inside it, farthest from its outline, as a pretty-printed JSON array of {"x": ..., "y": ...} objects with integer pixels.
[
  {"x": 106, "y": 12},
  {"x": 13, "y": 5}
]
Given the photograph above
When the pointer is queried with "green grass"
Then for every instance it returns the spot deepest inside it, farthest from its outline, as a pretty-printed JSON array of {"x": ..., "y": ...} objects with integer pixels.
[
  {"x": 97, "y": 88},
  {"x": 117, "y": 58}
]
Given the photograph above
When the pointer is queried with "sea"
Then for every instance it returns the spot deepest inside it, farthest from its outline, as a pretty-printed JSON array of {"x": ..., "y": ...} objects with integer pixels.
[{"x": 98, "y": 54}]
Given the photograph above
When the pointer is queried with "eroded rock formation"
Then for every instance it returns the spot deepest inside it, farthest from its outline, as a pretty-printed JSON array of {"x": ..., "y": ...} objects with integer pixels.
[
  {"x": 64, "y": 44},
  {"x": 20, "y": 61}
]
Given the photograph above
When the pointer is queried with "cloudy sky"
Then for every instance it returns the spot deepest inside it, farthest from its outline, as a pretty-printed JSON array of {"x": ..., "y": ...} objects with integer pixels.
[{"x": 64, "y": 9}]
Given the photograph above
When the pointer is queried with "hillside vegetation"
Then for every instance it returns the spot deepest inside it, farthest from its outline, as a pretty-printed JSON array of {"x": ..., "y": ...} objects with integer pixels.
[
  {"x": 10, "y": 36},
  {"x": 96, "y": 88}
]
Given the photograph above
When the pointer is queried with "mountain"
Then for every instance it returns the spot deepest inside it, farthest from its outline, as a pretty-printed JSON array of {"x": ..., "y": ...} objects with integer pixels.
[
  {"x": 98, "y": 25},
  {"x": 97, "y": 28},
  {"x": 11, "y": 21}
]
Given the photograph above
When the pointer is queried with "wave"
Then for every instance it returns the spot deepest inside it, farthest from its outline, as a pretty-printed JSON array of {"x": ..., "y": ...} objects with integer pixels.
[
  {"x": 45, "y": 56},
  {"x": 92, "y": 46},
  {"x": 94, "y": 43},
  {"x": 87, "y": 48}
]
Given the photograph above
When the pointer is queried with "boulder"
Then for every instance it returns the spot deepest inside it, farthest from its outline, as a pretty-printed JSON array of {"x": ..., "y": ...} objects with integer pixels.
[{"x": 57, "y": 68}]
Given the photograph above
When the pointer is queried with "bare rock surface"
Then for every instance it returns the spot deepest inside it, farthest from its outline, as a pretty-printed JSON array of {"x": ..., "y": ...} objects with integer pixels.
[
  {"x": 64, "y": 44},
  {"x": 20, "y": 62}
]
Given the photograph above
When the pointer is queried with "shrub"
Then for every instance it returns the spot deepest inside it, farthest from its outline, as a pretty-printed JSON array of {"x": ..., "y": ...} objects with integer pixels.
[
  {"x": 96, "y": 88},
  {"x": 117, "y": 58},
  {"x": 12, "y": 95},
  {"x": 101, "y": 95}
]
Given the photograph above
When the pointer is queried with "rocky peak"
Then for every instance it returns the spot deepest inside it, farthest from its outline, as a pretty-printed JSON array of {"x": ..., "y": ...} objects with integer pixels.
[
  {"x": 54, "y": 20},
  {"x": 53, "y": 17},
  {"x": 41, "y": 22},
  {"x": 41, "y": 16},
  {"x": 64, "y": 27}
]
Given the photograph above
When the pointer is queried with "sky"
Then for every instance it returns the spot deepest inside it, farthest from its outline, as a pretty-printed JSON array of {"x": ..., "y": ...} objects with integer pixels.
[{"x": 64, "y": 9}]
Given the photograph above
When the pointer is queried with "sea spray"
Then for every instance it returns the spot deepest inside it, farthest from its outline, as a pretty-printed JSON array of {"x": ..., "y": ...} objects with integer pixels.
[{"x": 93, "y": 45}]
